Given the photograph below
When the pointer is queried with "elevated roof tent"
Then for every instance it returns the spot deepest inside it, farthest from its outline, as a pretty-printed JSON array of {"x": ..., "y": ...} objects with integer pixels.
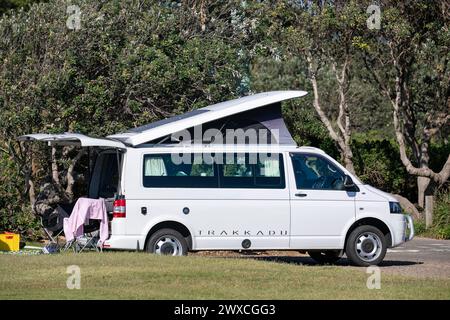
[
  {"x": 218, "y": 115},
  {"x": 259, "y": 110}
]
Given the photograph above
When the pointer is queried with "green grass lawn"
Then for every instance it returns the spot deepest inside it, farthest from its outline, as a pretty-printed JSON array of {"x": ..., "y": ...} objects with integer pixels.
[{"x": 129, "y": 275}]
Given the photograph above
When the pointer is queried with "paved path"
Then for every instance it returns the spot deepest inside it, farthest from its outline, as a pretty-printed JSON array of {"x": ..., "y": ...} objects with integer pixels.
[{"x": 420, "y": 257}]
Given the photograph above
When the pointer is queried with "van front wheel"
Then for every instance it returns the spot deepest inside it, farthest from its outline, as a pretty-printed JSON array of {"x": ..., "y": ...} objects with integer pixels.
[
  {"x": 167, "y": 242},
  {"x": 366, "y": 246}
]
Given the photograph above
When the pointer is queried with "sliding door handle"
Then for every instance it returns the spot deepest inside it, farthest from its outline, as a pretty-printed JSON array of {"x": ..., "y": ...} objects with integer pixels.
[{"x": 301, "y": 195}]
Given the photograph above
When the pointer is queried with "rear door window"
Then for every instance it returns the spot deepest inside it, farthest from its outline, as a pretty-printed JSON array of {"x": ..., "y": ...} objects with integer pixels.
[{"x": 109, "y": 177}]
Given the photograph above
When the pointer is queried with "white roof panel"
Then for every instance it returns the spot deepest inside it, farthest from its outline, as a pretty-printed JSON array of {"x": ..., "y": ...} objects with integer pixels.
[
  {"x": 76, "y": 139},
  {"x": 197, "y": 117}
]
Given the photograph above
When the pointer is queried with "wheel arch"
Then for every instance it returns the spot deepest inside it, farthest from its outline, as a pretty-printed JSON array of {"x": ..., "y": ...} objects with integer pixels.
[
  {"x": 171, "y": 224},
  {"x": 371, "y": 221}
]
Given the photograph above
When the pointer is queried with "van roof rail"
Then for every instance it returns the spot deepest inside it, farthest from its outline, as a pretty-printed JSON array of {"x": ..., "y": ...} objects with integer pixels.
[{"x": 311, "y": 148}]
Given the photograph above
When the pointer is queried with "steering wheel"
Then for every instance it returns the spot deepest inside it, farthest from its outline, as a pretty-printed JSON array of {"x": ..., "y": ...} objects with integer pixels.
[
  {"x": 319, "y": 183},
  {"x": 338, "y": 183}
]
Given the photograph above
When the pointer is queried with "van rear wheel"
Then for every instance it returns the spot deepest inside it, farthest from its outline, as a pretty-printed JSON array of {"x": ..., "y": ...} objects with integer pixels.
[
  {"x": 325, "y": 256},
  {"x": 167, "y": 242},
  {"x": 366, "y": 246}
]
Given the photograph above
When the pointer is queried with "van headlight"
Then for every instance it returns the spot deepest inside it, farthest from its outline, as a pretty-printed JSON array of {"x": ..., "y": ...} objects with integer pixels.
[{"x": 395, "y": 207}]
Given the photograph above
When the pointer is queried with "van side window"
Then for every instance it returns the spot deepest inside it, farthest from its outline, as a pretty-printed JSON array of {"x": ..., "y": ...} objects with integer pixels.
[
  {"x": 237, "y": 171},
  {"x": 238, "y": 167},
  {"x": 258, "y": 171},
  {"x": 316, "y": 172},
  {"x": 169, "y": 171}
]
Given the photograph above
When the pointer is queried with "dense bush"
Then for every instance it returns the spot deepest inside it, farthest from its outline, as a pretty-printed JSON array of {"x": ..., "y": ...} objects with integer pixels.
[
  {"x": 130, "y": 63},
  {"x": 9, "y": 5},
  {"x": 378, "y": 164},
  {"x": 15, "y": 211},
  {"x": 441, "y": 218}
]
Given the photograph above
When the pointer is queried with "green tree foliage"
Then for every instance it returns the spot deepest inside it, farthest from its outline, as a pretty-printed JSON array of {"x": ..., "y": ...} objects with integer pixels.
[
  {"x": 8, "y": 5},
  {"x": 130, "y": 63},
  {"x": 376, "y": 166},
  {"x": 133, "y": 62},
  {"x": 14, "y": 209},
  {"x": 409, "y": 61},
  {"x": 268, "y": 74}
]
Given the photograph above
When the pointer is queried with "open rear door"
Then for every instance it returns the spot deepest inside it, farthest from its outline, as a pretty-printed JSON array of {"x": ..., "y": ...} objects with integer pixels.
[
  {"x": 80, "y": 140},
  {"x": 72, "y": 139}
]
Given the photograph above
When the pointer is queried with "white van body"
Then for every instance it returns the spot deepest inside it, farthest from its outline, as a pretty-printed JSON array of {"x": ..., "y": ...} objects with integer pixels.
[
  {"x": 320, "y": 220},
  {"x": 283, "y": 217}
]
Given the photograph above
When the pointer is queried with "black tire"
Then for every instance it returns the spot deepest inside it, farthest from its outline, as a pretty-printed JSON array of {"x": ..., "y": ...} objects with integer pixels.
[
  {"x": 325, "y": 256},
  {"x": 173, "y": 243},
  {"x": 355, "y": 254}
]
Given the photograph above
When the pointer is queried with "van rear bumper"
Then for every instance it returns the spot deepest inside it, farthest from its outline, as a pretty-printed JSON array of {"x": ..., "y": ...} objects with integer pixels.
[{"x": 124, "y": 242}]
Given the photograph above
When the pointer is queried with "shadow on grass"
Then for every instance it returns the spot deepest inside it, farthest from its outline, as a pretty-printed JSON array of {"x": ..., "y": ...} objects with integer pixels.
[{"x": 342, "y": 262}]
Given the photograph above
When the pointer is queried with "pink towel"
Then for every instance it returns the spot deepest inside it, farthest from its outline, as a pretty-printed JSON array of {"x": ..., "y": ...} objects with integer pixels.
[{"x": 84, "y": 210}]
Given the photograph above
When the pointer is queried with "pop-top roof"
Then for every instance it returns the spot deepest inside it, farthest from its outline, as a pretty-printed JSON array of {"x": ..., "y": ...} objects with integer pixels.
[
  {"x": 162, "y": 128},
  {"x": 159, "y": 129}
]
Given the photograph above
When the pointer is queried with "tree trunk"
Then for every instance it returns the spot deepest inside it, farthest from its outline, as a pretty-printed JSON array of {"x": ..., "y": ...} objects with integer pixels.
[
  {"x": 422, "y": 185},
  {"x": 31, "y": 186},
  {"x": 342, "y": 136},
  {"x": 55, "y": 171},
  {"x": 343, "y": 119},
  {"x": 423, "y": 158},
  {"x": 70, "y": 175},
  {"x": 31, "y": 192},
  {"x": 348, "y": 160}
]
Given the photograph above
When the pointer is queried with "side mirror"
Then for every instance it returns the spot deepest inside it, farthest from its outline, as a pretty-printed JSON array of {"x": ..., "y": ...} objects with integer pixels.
[{"x": 348, "y": 182}]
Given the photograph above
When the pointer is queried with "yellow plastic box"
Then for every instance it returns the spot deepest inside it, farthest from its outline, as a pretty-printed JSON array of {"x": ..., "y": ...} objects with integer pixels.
[{"x": 9, "y": 241}]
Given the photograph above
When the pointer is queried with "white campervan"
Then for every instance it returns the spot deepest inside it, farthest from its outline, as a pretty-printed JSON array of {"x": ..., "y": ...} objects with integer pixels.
[{"x": 180, "y": 185}]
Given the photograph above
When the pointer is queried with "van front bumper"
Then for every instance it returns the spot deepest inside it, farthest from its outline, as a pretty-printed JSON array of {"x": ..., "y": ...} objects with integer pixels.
[
  {"x": 409, "y": 225},
  {"x": 402, "y": 228}
]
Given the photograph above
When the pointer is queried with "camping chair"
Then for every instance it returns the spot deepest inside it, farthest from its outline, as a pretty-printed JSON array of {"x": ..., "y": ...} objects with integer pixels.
[
  {"x": 88, "y": 240},
  {"x": 52, "y": 223},
  {"x": 87, "y": 225}
]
